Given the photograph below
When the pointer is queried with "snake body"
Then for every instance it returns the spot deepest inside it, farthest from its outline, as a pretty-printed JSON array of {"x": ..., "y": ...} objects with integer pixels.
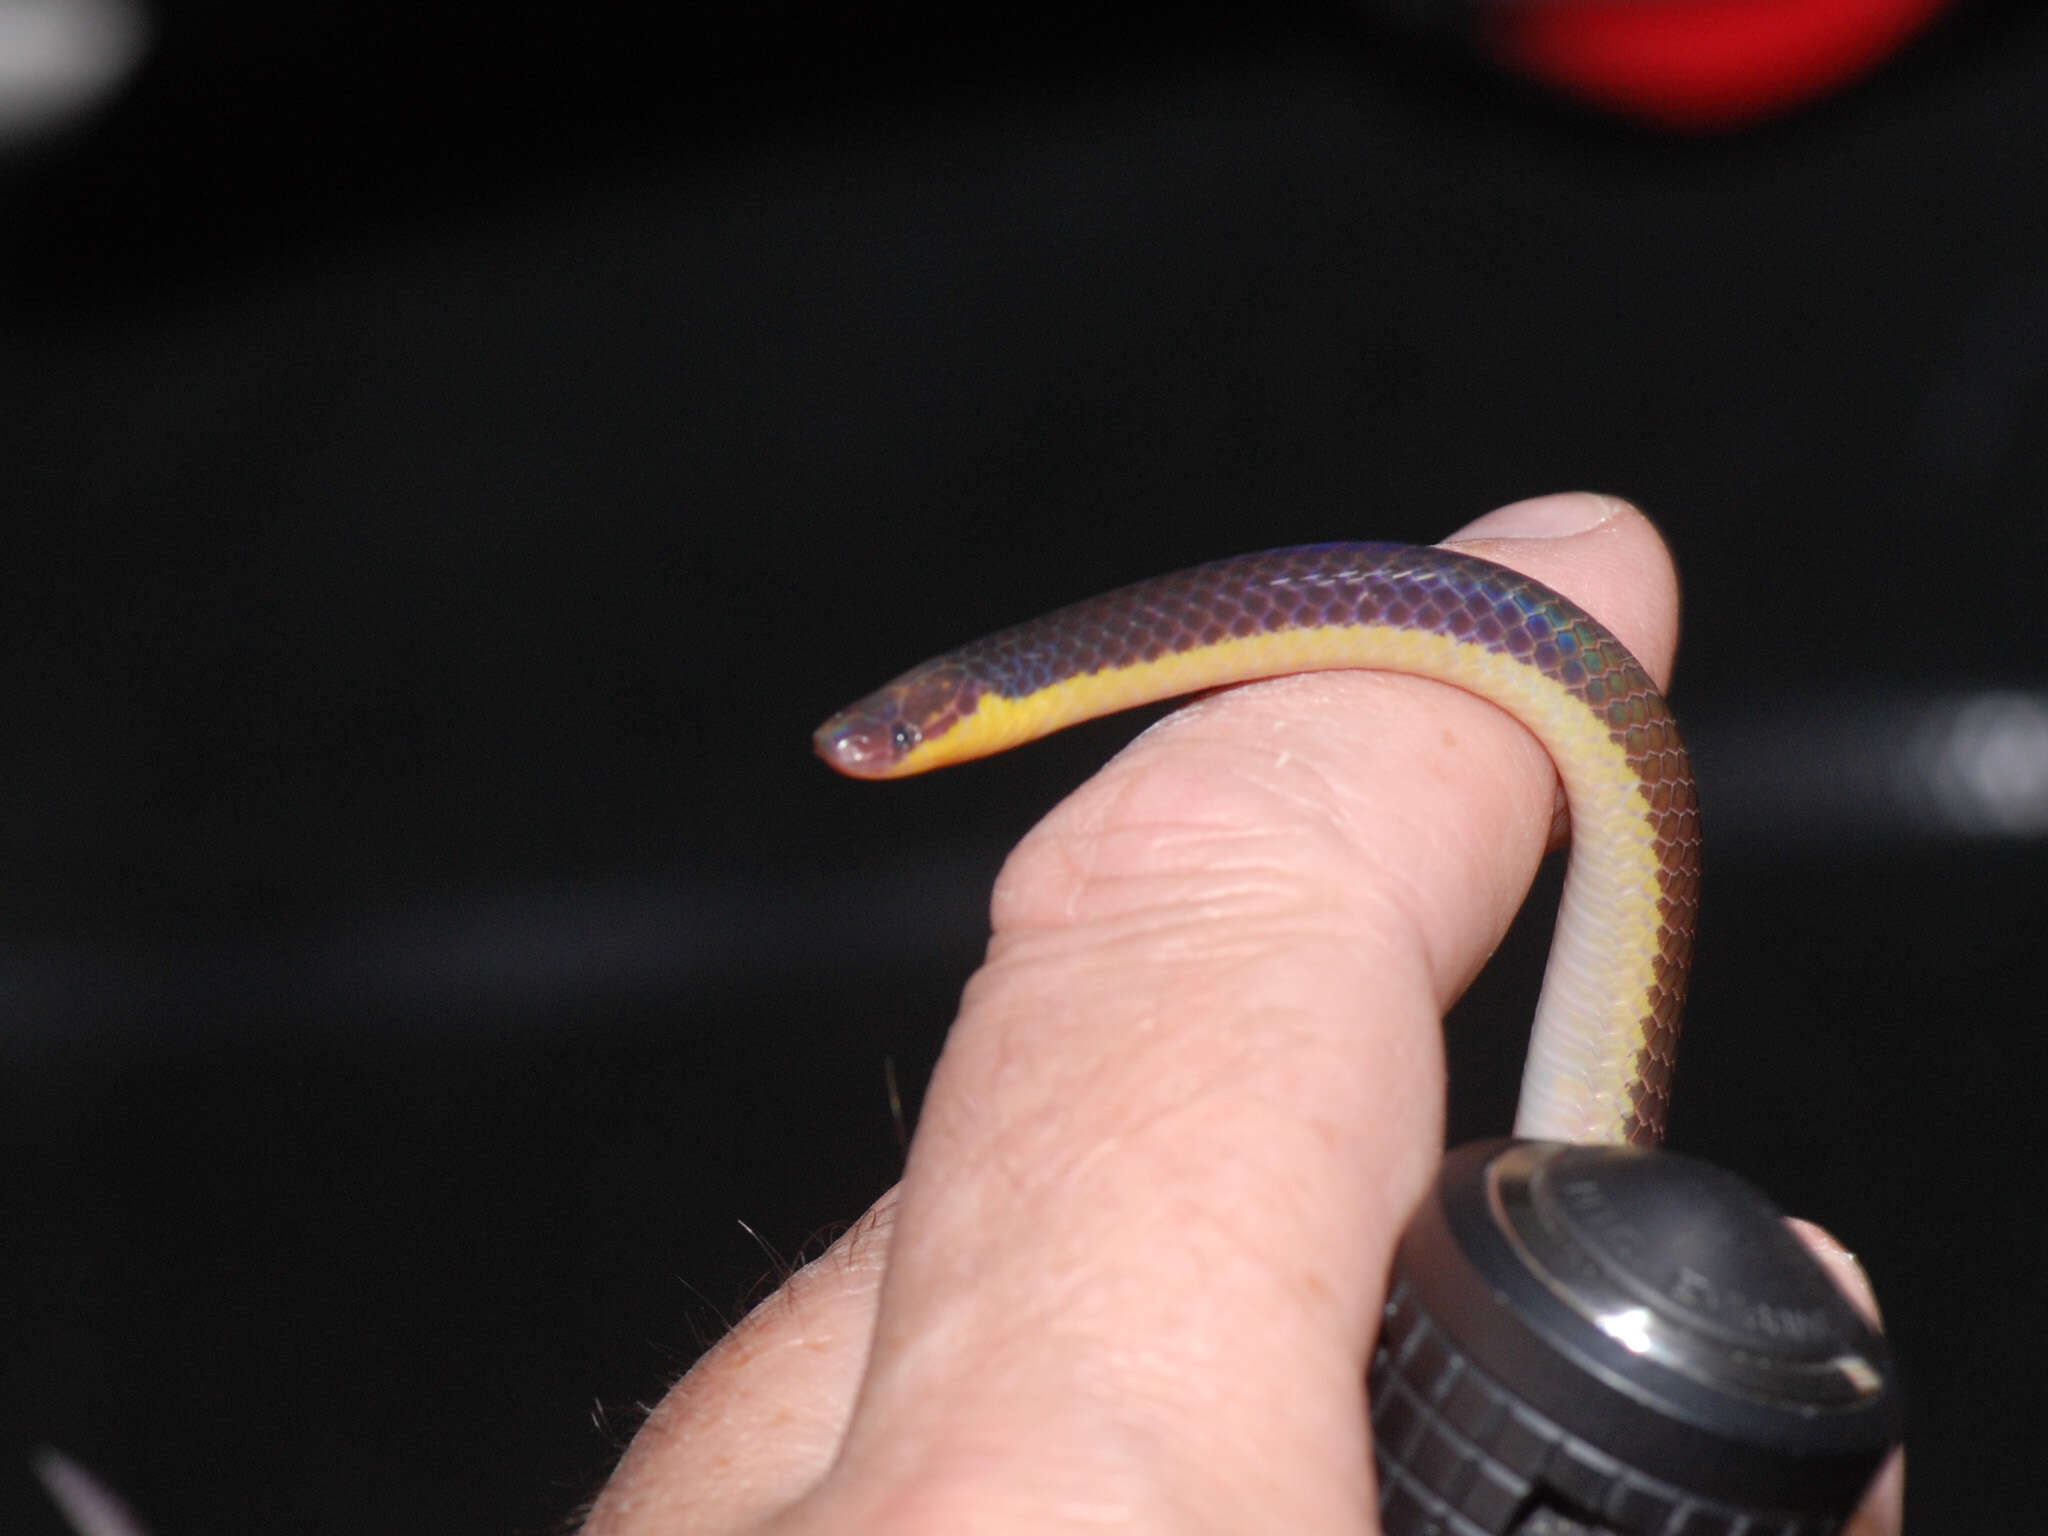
[{"x": 1606, "y": 1031}]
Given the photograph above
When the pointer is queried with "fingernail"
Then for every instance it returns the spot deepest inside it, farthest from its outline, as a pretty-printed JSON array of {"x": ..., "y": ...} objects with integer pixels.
[{"x": 1546, "y": 517}]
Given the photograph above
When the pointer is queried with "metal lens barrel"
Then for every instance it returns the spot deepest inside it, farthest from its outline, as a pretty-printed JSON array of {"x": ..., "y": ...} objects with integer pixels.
[{"x": 1618, "y": 1341}]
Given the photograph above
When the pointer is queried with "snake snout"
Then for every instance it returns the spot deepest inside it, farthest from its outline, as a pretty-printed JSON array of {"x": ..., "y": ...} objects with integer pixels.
[{"x": 862, "y": 743}]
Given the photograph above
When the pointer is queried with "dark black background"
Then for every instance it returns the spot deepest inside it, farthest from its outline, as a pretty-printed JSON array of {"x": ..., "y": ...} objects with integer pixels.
[{"x": 455, "y": 454}]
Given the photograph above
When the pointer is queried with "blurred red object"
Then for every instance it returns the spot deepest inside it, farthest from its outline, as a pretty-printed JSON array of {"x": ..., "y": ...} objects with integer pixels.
[{"x": 1700, "y": 64}]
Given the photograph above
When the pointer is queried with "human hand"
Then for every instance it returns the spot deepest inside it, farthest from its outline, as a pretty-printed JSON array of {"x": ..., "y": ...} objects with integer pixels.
[{"x": 1133, "y": 1271}]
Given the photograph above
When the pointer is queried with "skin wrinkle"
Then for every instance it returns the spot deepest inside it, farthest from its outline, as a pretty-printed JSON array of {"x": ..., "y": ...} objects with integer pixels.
[
  {"x": 1269, "y": 885},
  {"x": 1260, "y": 765},
  {"x": 1096, "y": 972},
  {"x": 1143, "y": 1405},
  {"x": 1251, "y": 910},
  {"x": 1184, "y": 1494},
  {"x": 1306, "y": 882},
  {"x": 1037, "y": 1152},
  {"x": 1357, "y": 829},
  {"x": 1052, "y": 1176},
  {"x": 1332, "y": 954},
  {"x": 956, "y": 1500},
  {"x": 1132, "y": 850},
  {"x": 1115, "y": 1401},
  {"x": 1260, "y": 889},
  {"x": 1042, "y": 1133},
  {"x": 1445, "y": 843}
]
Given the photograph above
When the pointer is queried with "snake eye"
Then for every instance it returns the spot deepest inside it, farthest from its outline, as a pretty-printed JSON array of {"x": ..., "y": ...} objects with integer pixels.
[{"x": 903, "y": 735}]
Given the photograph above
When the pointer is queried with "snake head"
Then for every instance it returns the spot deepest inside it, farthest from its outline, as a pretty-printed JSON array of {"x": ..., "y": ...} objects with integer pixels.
[
  {"x": 867, "y": 741},
  {"x": 896, "y": 729}
]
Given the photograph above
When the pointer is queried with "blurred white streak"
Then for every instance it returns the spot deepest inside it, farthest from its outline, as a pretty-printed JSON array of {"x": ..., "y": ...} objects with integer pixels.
[
  {"x": 1981, "y": 763},
  {"x": 487, "y": 958},
  {"x": 87, "y": 1504},
  {"x": 1871, "y": 770},
  {"x": 61, "y": 58}
]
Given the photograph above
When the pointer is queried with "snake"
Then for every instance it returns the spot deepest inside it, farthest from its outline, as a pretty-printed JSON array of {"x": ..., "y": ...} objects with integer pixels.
[{"x": 1605, "y": 1037}]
